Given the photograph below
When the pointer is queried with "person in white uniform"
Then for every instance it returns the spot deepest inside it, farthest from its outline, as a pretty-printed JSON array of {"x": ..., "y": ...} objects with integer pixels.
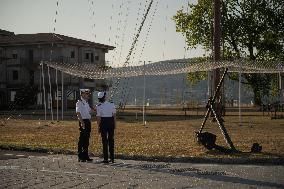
[
  {"x": 106, "y": 120},
  {"x": 83, "y": 111}
]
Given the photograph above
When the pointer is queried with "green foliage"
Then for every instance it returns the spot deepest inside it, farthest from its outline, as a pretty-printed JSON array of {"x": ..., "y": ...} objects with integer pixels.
[
  {"x": 252, "y": 29},
  {"x": 197, "y": 25},
  {"x": 275, "y": 85},
  {"x": 195, "y": 77}
]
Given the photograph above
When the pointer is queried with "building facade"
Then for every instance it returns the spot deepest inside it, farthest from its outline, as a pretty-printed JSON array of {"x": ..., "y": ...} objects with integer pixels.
[{"x": 20, "y": 67}]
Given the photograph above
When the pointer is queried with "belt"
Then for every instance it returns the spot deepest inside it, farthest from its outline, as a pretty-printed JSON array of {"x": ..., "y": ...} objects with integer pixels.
[{"x": 106, "y": 118}]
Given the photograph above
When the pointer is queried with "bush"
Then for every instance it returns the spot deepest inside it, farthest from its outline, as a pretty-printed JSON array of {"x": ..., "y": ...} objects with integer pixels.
[{"x": 25, "y": 97}]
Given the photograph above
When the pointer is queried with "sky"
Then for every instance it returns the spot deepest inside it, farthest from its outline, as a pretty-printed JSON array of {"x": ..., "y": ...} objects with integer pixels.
[{"x": 111, "y": 22}]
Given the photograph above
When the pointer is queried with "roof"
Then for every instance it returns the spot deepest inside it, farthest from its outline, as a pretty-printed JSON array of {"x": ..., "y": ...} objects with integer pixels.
[
  {"x": 48, "y": 38},
  {"x": 6, "y": 33}
]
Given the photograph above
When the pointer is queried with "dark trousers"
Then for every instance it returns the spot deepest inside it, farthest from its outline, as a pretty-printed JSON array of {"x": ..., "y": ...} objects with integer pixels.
[
  {"x": 83, "y": 143},
  {"x": 107, "y": 134}
]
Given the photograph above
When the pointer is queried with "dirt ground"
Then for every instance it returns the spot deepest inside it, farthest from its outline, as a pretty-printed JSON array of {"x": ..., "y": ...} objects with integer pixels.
[{"x": 168, "y": 133}]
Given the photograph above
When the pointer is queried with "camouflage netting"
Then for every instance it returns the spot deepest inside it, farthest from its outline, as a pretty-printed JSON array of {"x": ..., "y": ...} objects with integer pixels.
[{"x": 92, "y": 71}]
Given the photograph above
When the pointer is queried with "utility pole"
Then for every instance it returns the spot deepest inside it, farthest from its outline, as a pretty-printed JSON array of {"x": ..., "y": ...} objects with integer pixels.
[{"x": 217, "y": 50}]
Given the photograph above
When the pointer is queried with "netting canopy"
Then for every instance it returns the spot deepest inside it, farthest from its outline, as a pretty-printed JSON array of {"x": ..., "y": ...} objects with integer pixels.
[{"x": 92, "y": 71}]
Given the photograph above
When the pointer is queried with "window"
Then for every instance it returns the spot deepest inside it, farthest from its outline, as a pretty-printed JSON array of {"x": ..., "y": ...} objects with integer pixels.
[
  {"x": 87, "y": 56},
  {"x": 15, "y": 56},
  {"x": 92, "y": 57},
  {"x": 32, "y": 75},
  {"x": 13, "y": 94},
  {"x": 15, "y": 75},
  {"x": 97, "y": 58},
  {"x": 72, "y": 54},
  {"x": 88, "y": 80}
]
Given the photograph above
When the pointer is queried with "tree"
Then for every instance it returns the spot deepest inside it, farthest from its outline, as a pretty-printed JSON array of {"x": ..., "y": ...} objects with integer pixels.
[
  {"x": 26, "y": 97},
  {"x": 251, "y": 29}
]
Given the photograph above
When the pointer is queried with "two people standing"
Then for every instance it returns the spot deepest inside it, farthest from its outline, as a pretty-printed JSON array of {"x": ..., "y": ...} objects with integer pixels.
[{"x": 106, "y": 120}]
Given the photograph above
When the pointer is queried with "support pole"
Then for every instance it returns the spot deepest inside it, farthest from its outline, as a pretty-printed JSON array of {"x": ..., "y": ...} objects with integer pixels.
[
  {"x": 56, "y": 81},
  {"x": 212, "y": 100},
  {"x": 43, "y": 87},
  {"x": 62, "y": 96},
  {"x": 144, "y": 84},
  {"x": 223, "y": 129},
  {"x": 280, "y": 89},
  {"x": 240, "y": 91},
  {"x": 208, "y": 84},
  {"x": 211, "y": 108},
  {"x": 50, "y": 93},
  {"x": 135, "y": 100}
]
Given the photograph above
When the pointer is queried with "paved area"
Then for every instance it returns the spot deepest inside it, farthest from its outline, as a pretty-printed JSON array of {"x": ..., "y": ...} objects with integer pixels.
[{"x": 35, "y": 170}]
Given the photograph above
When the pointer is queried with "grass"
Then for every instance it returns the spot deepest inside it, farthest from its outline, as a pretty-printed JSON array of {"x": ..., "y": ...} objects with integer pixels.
[{"x": 166, "y": 136}]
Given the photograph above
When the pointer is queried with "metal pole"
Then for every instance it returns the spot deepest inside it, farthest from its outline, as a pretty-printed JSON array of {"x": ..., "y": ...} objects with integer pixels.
[
  {"x": 56, "y": 81},
  {"x": 40, "y": 88},
  {"x": 144, "y": 83},
  {"x": 208, "y": 84},
  {"x": 240, "y": 100},
  {"x": 62, "y": 96},
  {"x": 280, "y": 89},
  {"x": 135, "y": 100},
  {"x": 280, "y": 81},
  {"x": 212, "y": 99},
  {"x": 43, "y": 86},
  {"x": 50, "y": 93},
  {"x": 280, "y": 94}
]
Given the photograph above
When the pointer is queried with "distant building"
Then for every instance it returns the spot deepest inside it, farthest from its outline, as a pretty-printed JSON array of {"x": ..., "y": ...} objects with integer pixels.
[
  {"x": 20, "y": 57},
  {"x": 6, "y": 33}
]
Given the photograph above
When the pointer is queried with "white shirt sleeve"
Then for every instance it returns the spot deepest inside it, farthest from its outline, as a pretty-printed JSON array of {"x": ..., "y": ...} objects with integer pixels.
[
  {"x": 90, "y": 109},
  {"x": 113, "y": 109},
  {"x": 98, "y": 112},
  {"x": 78, "y": 107}
]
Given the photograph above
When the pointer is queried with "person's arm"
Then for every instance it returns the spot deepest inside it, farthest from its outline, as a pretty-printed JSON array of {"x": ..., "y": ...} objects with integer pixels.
[
  {"x": 114, "y": 119},
  {"x": 114, "y": 116},
  {"x": 92, "y": 109},
  {"x": 80, "y": 119},
  {"x": 99, "y": 124},
  {"x": 79, "y": 116},
  {"x": 98, "y": 118}
]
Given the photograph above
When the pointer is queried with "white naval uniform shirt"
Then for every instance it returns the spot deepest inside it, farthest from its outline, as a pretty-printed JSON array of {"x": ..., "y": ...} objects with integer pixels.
[
  {"x": 83, "y": 107},
  {"x": 105, "y": 109}
]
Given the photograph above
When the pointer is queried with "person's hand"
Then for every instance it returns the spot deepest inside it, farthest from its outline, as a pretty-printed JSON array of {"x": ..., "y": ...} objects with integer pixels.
[{"x": 83, "y": 125}]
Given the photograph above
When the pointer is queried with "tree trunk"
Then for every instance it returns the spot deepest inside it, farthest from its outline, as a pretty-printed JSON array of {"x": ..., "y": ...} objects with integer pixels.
[{"x": 256, "y": 96}]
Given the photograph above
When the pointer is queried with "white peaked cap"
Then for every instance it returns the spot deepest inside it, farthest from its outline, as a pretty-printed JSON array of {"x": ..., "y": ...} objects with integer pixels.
[
  {"x": 84, "y": 90},
  {"x": 101, "y": 94}
]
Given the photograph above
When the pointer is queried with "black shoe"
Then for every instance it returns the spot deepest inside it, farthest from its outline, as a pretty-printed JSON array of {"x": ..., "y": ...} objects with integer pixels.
[
  {"x": 112, "y": 161},
  {"x": 81, "y": 160},
  {"x": 105, "y": 161},
  {"x": 89, "y": 159}
]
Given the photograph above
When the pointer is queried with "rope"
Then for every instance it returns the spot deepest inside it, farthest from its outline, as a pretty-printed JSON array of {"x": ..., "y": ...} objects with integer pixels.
[
  {"x": 131, "y": 49},
  {"x": 125, "y": 93}
]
